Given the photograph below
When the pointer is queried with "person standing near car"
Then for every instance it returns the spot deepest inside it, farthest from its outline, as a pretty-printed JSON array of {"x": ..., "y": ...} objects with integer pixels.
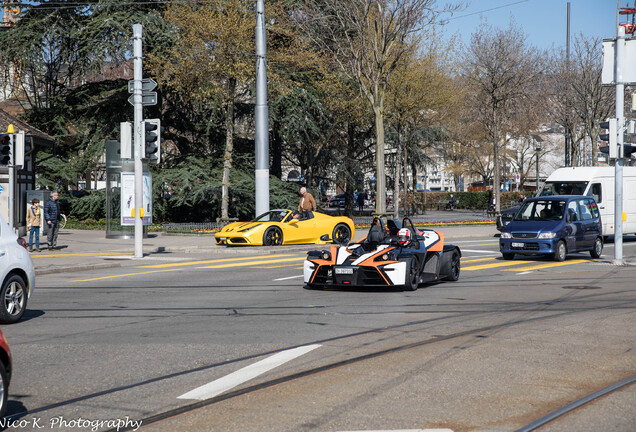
[
  {"x": 52, "y": 215},
  {"x": 307, "y": 204},
  {"x": 33, "y": 224}
]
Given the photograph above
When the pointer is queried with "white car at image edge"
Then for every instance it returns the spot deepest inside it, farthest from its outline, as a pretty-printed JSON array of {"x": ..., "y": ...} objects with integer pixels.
[{"x": 17, "y": 276}]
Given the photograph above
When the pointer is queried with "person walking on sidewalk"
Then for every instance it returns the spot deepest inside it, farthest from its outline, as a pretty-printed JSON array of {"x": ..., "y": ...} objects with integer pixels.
[
  {"x": 33, "y": 224},
  {"x": 52, "y": 215}
]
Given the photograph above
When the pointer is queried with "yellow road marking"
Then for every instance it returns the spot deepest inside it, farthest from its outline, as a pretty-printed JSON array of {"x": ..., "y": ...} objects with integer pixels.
[
  {"x": 493, "y": 265},
  {"x": 191, "y": 263},
  {"x": 88, "y": 254},
  {"x": 123, "y": 275},
  {"x": 251, "y": 263},
  {"x": 548, "y": 265}
]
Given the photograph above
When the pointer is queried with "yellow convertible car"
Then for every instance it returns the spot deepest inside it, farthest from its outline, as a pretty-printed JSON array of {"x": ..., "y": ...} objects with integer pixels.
[{"x": 278, "y": 227}]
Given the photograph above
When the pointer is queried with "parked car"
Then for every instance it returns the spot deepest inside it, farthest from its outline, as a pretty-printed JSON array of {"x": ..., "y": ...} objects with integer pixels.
[
  {"x": 554, "y": 226},
  {"x": 337, "y": 201},
  {"x": 6, "y": 368},
  {"x": 506, "y": 215},
  {"x": 17, "y": 276}
]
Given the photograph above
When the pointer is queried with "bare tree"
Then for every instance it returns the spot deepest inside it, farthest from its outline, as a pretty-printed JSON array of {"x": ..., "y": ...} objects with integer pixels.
[
  {"x": 501, "y": 67},
  {"x": 579, "y": 100},
  {"x": 367, "y": 39}
]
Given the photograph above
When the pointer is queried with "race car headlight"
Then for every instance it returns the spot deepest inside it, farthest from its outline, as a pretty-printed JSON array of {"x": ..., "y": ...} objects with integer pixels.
[
  {"x": 326, "y": 256},
  {"x": 506, "y": 235},
  {"x": 547, "y": 235}
]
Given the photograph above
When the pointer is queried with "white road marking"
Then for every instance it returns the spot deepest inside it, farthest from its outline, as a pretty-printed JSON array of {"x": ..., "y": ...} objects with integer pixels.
[
  {"x": 234, "y": 379},
  {"x": 290, "y": 277},
  {"x": 525, "y": 272}
]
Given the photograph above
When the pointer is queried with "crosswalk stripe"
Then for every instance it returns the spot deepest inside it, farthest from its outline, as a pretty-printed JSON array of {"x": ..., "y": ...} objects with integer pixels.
[
  {"x": 251, "y": 263},
  {"x": 548, "y": 265},
  {"x": 192, "y": 263},
  {"x": 495, "y": 265}
]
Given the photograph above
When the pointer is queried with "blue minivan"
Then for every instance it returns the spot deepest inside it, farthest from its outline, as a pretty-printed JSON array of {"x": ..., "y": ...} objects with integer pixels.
[{"x": 554, "y": 226}]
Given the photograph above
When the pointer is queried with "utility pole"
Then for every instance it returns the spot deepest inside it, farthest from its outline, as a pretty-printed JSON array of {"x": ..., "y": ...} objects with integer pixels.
[
  {"x": 618, "y": 166},
  {"x": 138, "y": 117},
  {"x": 261, "y": 120}
]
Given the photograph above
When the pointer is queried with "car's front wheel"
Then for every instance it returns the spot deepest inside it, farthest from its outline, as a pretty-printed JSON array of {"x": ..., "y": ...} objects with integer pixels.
[
  {"x": 411, "y": 277},
  {"x": 598, "y": 248},
  {"x": 14, "y": 299},
  {"x": 273, "y": 237},
  {"x": 341, "y": 234},
  {"x": 560, "y": 251}
]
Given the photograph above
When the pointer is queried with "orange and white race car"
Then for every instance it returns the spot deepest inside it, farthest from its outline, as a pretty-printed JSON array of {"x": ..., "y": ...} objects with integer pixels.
[{"x": 397, "y": 255}]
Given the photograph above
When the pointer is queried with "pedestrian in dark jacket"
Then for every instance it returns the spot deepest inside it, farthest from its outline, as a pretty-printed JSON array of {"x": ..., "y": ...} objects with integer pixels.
[{"x": 52, "y": 216}]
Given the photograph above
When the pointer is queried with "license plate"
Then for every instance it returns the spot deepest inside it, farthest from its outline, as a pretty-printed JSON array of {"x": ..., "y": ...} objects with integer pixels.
[
  {"x": 344, "y": 271},
  {"x": 517, "y": 244}
]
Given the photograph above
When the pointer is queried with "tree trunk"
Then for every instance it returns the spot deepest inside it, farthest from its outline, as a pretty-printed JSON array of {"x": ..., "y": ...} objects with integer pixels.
[
  {"x": 229, "y": 149},
  {"x": 380, "y": 181},
  {"x": 496, "y": 179}
]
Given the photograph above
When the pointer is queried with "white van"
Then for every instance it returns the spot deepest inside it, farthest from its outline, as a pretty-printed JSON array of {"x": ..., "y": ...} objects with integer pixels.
[{"x": 599, "y": 183}]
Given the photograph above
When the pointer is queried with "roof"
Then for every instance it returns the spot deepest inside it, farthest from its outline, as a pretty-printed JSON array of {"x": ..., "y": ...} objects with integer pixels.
[{"x": 6, "y": 119}]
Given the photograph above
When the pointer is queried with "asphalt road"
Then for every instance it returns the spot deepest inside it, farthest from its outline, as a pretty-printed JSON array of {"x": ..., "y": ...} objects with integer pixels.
[{"x": 505, "y": 345}]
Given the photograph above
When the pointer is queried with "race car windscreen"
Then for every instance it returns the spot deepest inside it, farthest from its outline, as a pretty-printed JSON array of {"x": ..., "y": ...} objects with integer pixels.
[{"x": 563, "y": 188}]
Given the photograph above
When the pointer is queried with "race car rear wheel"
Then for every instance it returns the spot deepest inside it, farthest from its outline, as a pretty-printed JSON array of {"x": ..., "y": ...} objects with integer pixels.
[
  {"x": 341, "y": 234},
  {"x": 454, "y": 266},
  {"x": 273, "y": 237},
  {"x": 411, "y": 277}
]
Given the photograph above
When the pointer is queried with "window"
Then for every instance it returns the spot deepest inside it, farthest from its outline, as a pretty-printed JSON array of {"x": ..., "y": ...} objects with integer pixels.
[
  {"x": 597, "y": 192},
  {"x": 584, "y": 206},
  {"x": 573, "y": 211}
]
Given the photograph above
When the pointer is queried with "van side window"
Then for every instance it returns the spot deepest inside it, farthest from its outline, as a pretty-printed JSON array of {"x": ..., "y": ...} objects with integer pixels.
[
  {"x": 586, "y": 212},
  {"x": 591, "y": 205},
  {"x": 597, "y": 192},
  {"x": 573, "y": 211}
]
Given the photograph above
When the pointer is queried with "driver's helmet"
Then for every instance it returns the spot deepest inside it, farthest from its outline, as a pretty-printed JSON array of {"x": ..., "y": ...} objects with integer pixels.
[{"x": 404, "y": 236}]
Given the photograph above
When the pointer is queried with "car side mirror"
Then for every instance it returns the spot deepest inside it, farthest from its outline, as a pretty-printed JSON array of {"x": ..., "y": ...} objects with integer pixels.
[
  {"x": 325, "y": 238},
  {"x": 293, "y": 221}
]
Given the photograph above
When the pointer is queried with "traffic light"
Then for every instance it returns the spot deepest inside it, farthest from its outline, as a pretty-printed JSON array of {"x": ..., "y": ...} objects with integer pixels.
[
  {"x": 628, "y": 149},
  {"x": 21, "y": 149},
  {"x": 610, "y": 138},
  {"x": 5, "y": 149},
  {"x": 151, "y": 140}
]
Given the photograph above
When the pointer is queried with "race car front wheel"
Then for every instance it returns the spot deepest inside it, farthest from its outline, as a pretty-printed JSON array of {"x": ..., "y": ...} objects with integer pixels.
[
  {"x": 411, "y": 277},
  {"x": 273, "y": 237}
]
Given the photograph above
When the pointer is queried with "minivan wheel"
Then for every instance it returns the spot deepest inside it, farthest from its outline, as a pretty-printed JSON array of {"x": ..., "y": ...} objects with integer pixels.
[
  {"x": 598, "y": 248},
  {"x": 561, "y": 251}
]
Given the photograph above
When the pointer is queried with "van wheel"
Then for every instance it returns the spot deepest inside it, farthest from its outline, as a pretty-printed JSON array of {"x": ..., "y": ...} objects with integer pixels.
[
  {"x": 561, "y": 251},
  {"x": 598, "y": 248}
]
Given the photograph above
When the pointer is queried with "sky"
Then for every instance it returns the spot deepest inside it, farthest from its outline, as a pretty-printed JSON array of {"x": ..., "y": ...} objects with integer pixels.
[{"x": 543, "y": 21}]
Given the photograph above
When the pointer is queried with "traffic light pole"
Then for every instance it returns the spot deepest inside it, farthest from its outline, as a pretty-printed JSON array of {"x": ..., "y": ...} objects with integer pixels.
[
  {"x": 618, "y": 166},
  {"x": 12, "y": 184},
  {"x": 261, "y": 132},
  {"x": 138, "y": 119}
]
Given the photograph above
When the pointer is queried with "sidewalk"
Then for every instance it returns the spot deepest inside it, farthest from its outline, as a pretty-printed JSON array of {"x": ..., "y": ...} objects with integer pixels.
[{"x": 86, "y": 250}]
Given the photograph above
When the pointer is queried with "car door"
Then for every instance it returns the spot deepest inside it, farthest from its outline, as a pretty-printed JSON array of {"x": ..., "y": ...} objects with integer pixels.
[
  {"x": 575, "y": 236},
  {"x": 589, "y": 223},
  {"x": 302, "y": 231}
]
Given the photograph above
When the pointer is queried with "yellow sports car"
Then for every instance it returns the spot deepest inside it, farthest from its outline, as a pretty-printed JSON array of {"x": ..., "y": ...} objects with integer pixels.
[{"x": 278, "y": 227}]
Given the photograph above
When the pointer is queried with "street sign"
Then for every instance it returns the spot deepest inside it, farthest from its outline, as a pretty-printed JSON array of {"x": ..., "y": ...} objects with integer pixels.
[
  {"x": 149, "y": 98},
  {"x": 147, "y": 84}
]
